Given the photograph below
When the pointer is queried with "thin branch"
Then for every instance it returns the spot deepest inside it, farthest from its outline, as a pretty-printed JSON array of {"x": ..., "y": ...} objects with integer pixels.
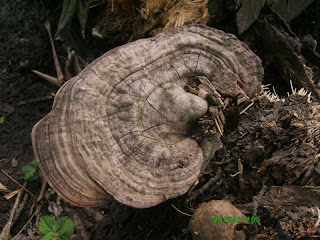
[
  {"x": 244, "y": 110},
  {"x": 23, "y": 227},
  {"x": 181, "y": 211},
  {"x": 5, "y": 234},
  {"x": 17, "y": 182}
]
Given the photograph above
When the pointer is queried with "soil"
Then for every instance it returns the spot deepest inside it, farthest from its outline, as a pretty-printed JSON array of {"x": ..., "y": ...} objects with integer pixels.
[
  {"x": 24, "y": 41},
  {"x": 25, "y": 99}
]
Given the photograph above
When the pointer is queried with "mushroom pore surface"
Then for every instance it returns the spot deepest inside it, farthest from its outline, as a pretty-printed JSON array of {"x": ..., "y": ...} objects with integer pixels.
[{"x": 121, "y": 128}]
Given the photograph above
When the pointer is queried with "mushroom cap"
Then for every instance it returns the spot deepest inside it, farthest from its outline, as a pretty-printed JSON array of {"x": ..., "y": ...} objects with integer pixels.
[{"x": 119, "y": 129}]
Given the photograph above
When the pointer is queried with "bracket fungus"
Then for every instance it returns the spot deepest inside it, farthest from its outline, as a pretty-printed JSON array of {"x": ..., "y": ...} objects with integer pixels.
[{"x": 121, "y": 128}]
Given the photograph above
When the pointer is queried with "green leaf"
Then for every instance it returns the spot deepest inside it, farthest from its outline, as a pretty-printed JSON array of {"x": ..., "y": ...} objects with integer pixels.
[
  {"x": 35, "y": 163},
  {"x": 46, "y": 224},
  {"x": 82, "y": 14},
  {"x": 51, "y": 191},
  {"x": 29, "y": 174},
  {"x": 65, "y": 237},
  {"x": 68, "y": 9},
  {"x": 68, "y": 228},
  {"x": 31, "y": 171},
  {"x": 2, "y": 119},
  {"x": 28, "y": 168},
  {"x": 59, "y": 224},
  {"x": 48, "y": 236},
  {"x": 34, "y": 177}
]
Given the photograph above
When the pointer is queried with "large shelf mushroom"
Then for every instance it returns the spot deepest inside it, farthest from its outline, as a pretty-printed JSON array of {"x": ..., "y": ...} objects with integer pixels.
[{"x": 120, "y": 129}]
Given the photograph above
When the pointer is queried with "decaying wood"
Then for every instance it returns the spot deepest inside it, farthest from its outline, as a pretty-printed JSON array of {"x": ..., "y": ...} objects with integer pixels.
[
  {"x": 282, "y": 140},
  {"x": 115, "y": 129},
  {"x": 297, "y": 209},
  {"x": 283, "y": 54},
  {"x": 278, "y": 144},
  {"x": 291, "y": 197},
  {"x": 311, "y": 55}
]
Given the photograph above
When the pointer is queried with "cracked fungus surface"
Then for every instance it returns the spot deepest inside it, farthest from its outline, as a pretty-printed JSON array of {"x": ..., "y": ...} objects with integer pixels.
[{"x": 119, "y": 129}]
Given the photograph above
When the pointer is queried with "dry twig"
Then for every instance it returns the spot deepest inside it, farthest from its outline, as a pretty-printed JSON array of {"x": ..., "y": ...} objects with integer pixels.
[
  {"x": 17, "y": 182},
  {"x": 35, "y": 100},
  {"x": 213, "y": 180},
  {"x": 30, "y": 219},
  {"x": 15, "y": 212},
  {"x": 189, "y": 215},
  {"x": 255, "y": 204}
]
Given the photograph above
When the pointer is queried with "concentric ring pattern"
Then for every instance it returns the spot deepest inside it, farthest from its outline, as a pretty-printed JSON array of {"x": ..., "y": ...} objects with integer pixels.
[{"x": 120, "y": 129}]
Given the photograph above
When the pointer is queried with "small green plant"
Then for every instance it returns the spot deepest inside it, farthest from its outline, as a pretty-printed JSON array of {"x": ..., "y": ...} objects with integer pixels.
[
  {"x": 51, "y": 191},
  {"x": 56, "y": 230},
  {"x": 2, "y": 119},
  {"x": 69, "y": 9},
  {"x": 32, "y": 171}
]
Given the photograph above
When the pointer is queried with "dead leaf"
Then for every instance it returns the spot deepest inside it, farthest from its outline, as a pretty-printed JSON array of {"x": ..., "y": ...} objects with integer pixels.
[
  {"x": 289, "y": 9},
  {"x": 248, "y": 13},
  {"x": 12, "y": 194},
  {"x": 2, "y": 187}
]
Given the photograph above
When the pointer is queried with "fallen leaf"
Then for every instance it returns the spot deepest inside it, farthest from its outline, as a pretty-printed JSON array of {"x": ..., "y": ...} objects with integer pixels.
[
  {"x": 12, "y": 194},
  {"x": 289, "y": 9},
  {"x": 2, "y": 187}
]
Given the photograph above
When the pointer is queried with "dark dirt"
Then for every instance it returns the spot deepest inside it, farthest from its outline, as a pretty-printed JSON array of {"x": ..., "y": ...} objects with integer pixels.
[
  {"x": 25, "y": 45},
  {"x": 23, "y": 41}
]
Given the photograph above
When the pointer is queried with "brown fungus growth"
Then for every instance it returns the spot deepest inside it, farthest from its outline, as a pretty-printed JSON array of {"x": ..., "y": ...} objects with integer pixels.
[{"x": 121, "y": 128}]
